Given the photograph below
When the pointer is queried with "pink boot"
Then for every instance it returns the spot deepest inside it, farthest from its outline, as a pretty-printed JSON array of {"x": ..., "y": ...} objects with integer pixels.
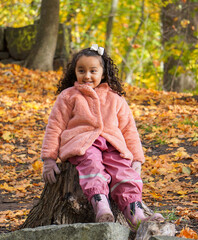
[
  {"x": 134, "y": 215},
  {"x": 101, "y": 208}
]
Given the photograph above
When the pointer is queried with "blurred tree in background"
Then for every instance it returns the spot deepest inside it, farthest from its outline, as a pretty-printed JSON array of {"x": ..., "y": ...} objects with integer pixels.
[
  {"x": 154, "y": 43},
  {"x": 42, "y": 52},
  {"x": 180, "y": 42}
]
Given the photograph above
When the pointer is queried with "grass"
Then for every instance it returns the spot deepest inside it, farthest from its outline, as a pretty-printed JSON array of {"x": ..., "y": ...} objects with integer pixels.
[
  {"x": 170, "y": 215},
  {"x": 146, "y": 128},
  {"x": 160, "y": 141},
  {"x": 190, "y": 122}
]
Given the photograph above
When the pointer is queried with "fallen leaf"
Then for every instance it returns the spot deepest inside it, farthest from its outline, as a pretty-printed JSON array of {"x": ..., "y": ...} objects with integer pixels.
[
  {"x": 156, "y": 195},
  {"x": 188, "y": 233},
  {"x": 7, "y": 136},
  {"x": 186, "y": 170},
  {"x": 37, "y": 166}
]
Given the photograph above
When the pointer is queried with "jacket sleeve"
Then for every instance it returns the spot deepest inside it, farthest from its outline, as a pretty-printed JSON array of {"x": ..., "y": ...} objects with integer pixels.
[
  {"x": 57, "y": 123},
  {"x": 129, "y": 130}
]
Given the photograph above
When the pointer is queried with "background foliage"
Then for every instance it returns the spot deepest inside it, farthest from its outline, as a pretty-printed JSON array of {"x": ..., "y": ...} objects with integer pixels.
[{"x": 86, "y": 20}]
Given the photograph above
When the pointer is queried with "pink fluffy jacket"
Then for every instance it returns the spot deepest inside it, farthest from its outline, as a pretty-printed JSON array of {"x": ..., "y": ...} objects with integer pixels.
[{"x": 82, "y": 114}]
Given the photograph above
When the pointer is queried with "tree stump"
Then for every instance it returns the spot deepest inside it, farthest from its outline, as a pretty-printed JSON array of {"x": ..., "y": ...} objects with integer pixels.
[{"x": 65, "y": 203}]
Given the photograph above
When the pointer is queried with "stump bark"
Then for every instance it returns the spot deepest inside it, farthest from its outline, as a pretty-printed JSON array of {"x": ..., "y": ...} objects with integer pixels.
[{"x": 65, "y": 203}]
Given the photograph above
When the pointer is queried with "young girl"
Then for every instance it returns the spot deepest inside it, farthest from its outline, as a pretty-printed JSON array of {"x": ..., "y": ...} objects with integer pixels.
[{"x": 92, "y": 126}]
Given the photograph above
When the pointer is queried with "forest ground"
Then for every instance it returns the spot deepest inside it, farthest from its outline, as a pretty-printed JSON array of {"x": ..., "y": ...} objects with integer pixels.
[{"x": 168, "y": 127}]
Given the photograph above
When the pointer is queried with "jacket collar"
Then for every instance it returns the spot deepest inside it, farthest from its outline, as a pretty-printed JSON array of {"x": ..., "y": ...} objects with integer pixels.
[{"x": 85, "y": 89}]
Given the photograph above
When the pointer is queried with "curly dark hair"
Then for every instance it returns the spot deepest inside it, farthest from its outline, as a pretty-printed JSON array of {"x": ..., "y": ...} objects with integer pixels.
[{"x": 110, "y": 72}]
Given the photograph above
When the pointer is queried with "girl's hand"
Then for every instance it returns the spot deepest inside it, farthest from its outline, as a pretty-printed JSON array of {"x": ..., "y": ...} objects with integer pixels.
[
  {"x": 137, "y": 167},
  {"x": 49, "y": 168}
]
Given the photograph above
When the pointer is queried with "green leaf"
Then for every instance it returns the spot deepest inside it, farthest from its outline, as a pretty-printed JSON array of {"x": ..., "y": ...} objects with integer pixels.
[{"x": 186, "y": 170}]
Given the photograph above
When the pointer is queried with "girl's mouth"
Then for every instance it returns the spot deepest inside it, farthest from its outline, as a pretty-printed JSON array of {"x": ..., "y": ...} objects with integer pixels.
[{"x": 87, "y": 83}]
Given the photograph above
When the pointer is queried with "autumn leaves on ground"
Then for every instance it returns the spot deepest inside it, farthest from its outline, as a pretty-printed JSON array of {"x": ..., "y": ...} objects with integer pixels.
[{"x": 167, "y": 123}]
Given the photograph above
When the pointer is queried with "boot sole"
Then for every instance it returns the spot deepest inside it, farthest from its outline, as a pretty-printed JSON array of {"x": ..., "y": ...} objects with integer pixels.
[{"x": 106, "y": 218}]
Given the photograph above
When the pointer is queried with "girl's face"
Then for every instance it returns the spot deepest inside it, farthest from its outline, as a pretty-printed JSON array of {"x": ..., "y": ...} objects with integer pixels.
[{"x": 89, "y": 71}]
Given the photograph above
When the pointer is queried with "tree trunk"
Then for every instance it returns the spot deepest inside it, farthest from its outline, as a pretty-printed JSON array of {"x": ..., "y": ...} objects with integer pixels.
[
  {"x": 178, "y": 27},
  {"x": 42, "y": 53},
  {"x": 114, "y": 4},
  {"x": 126, "y": 61},
  {"x": 65, "y": 203}
]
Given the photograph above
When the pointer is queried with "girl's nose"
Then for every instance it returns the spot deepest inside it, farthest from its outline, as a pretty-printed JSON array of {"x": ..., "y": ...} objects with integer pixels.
[{"x": 87, "y": 75}]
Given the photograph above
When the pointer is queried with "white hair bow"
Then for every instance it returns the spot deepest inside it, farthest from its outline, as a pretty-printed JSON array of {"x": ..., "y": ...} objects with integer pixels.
[{"x": 95, "y": 47}]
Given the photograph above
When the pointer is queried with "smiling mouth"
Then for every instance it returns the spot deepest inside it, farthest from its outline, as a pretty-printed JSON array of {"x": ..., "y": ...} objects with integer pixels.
[{"x": 87, "y": 82}]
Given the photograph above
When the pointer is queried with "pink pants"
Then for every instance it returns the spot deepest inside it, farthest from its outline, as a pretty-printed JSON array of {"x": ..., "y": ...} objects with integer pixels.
[{"x": 102, "y": 170}]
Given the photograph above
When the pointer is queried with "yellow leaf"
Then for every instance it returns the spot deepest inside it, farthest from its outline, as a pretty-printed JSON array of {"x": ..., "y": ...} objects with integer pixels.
[
  {"x": 162, "y": 171},
  {"x": 181, "y": 154},
  {"x": 31, "y": 152},
  {"x": 174, "y": 141},
  {"x": 182, "y": 192},
  {"x": 136, "y": 113},
  {"x": 156, "y": 195},
  {"x": 154, "y": 171},
  {"x": 21, "y": 189},
  {"x": 37, "y": 166},
  {"x": 7, "y": 135},
  {"x": 6, "y": 187},
  {"x": 185, "y": 23},
  {"x": 2, "y": 112},
  {"x": 17, "y": 67}
]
